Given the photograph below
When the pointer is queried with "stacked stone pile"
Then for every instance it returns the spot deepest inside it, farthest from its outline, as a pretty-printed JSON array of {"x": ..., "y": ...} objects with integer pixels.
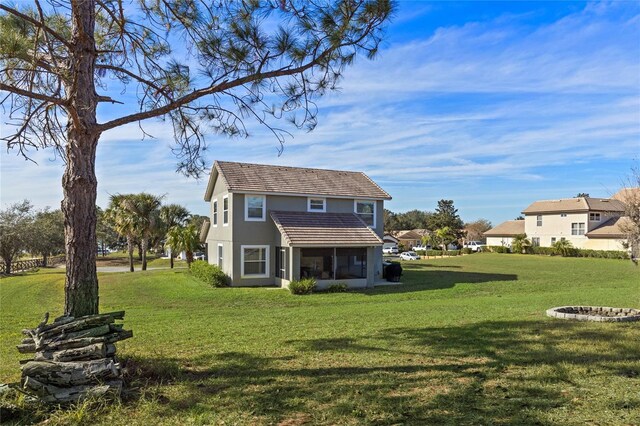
[{"x": 74, "y": 357}]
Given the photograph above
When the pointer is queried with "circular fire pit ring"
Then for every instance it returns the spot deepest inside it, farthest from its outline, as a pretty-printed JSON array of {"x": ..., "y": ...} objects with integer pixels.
[{"x": 594, "y": 313}]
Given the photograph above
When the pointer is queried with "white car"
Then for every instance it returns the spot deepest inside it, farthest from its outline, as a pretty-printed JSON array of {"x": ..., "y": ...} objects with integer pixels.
[
  {"x": 409, "y": 255},
  {"x": 422, "y": 248},
  {"x": 390, "y": 250},
  {"x": 474, "y": 245}
]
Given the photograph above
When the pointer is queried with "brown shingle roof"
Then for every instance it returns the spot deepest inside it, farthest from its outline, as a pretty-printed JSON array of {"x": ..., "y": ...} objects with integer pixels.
[
  {"x": 612, "y": 228},
  {"x": 506, "y": 229},
  {"x": 265, "y": 179},
  {"x": 574, "y": 205},
  {"x": 408, "y": 235},
  {"x": 324, "y": 229}
]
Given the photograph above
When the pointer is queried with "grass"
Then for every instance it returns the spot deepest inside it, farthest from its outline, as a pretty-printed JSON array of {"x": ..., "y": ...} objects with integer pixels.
[{"x": 463, "y": 341}]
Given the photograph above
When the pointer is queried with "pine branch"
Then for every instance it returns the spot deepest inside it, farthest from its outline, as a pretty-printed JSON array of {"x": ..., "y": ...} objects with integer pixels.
[
  {"x": 33, "y": 95},
  {"x": 37, "y": 23}
]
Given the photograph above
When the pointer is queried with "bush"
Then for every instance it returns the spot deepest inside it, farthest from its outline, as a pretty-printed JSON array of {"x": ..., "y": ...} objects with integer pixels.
[
  {"x": 421, "y": 252},
  {"x": 434, "y": 252},
  {"x": 467, "y": 250},
  {"x": 497, "y": 249},
  {"x": 337, "y": 288},
  {"x": 452, "y": 253},
  {"x": 210, "y": 274},
  {"x": 549, "y": 251},
  {"x": 574, "y": 252},
  {"x": 303, "y": 286}
]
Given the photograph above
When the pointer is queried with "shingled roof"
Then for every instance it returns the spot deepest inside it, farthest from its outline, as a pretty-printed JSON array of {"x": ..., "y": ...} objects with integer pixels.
[
  {"x": 506, "y": 229},
  {"x": 581, "y": 204},
  {"x": 265, "y": 179},
  {"x": 612, "y": 228},
  {"x": 303, "y": 229}
]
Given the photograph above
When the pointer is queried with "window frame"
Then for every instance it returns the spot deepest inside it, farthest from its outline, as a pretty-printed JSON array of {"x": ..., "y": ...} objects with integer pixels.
[
  {"x": 355, "y": 209},
  {"x": 220, "y": 255},
  {"x": 225, "y": 213},
  {"x": 263, "y": 218},
  {"x": 266, "y": 260},
  {"x": 214, "y": 217},
  {"x": 324, "y": 205},
  {"x": 578, "y": 228},
  {"x": 282, "y": 263},
  {"x": 539, "y": 220},
  {"x": 595, "y": 215}
]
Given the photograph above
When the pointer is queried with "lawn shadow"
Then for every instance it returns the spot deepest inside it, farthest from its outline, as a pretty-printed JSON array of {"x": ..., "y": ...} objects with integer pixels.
[
  {"x": 424, "y": 375},
  {"x": 436, "y": 279}
]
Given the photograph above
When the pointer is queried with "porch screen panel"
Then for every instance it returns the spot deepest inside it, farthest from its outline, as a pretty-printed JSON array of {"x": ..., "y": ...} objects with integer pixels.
[
  {"x": 316, "y": 263},
  {"x": 351, "y": 263},
  {"x": 282, "y": 256}
]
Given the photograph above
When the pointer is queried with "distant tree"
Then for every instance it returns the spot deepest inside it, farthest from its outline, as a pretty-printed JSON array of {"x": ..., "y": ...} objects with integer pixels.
[
  {"x": 519, "y": 218},
  {"x": 630, "y": 196},
  {"x": 197, "y": 220},
  {"x": 582, "y": 195},
  {"x": 123, "y": 220},
  {"x": 46, "y": 234},
  {"x": 475, "y": 230},
  {"x": 390, "y": 221},
  {"x": 184, "y": 238},
  {"x": 205, "y": 67},
  {"x": 520, "y": 243},
  {"x": 444, "y": 236},
  {"x": 106, "y": 235},
  {"x": 446, "y": 215},
  {"x": 15, "y": 232}
]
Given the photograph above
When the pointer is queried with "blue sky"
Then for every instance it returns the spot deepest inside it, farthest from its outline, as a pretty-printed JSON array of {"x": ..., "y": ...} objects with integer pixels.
[{"x": 491, "y": 104}]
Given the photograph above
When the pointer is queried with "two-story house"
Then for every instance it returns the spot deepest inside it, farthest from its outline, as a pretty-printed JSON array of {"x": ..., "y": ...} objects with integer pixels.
[
  {"x": 270, "y": 225},
  {"x": 589, "y": 223}
]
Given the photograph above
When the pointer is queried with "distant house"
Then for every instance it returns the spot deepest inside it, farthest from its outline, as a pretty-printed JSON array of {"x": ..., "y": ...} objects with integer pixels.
[
  {"x": 502, "y": 235},
  {"x": 270, "y": 225},
  {"x": 409, "y": 238},
  {"x": 588, "y": 223},
  {"x": 389, "y": 241}
]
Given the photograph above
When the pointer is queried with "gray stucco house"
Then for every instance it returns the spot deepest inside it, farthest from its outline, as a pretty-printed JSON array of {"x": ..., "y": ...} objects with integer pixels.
[{"x": 270, "y": 225}]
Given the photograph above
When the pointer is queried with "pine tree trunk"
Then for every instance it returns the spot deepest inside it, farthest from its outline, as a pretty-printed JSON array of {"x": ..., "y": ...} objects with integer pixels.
[
  {"x": 7, "y": 265},
  {"x": 143, "y": 246},
  {"x": 44, "y": 260},
  {"x": 79, "y": 181},
  {"x": 130, "y": 248},
  {"x": 171, "y": 259}
]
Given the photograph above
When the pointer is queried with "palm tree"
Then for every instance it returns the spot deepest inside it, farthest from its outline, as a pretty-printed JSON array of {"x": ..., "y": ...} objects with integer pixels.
[
  {"x": 563, "y": 247},
  {"x": 183, "y": 238},
  {"x": 123, "y": 221},
  {"x": 170, "y": 215},
  {"x": 520, "y": 243},
  {"x": 145, "y": 208},
  {"x": 444, "y": 236}
]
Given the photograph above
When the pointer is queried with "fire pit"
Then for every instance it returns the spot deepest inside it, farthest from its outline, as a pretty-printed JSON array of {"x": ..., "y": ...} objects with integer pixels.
[{"x": 594, "y": 313}]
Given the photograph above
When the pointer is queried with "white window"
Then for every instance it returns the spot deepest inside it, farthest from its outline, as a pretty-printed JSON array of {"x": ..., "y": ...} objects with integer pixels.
[
  {"x": 254, "y": 208},
  {"x": 539, "y": 220},
  {"x": 225, "y": 210},
  {"x": 366, "y": 210},
  {"x": 577, "y": 228},
  {"x": 255, "y": 261},
  {"x": 316, "y": 204},
  {"x": 553, "y": 240},
  {"x": 215, "y": 212},
  {"x": 595, "y": 217},
  {"x": 220, "y": 252},
  {"x": 535, "y": 241}
]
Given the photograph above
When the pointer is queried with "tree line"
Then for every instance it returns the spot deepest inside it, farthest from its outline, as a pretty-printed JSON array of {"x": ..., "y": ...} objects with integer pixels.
[
  {"x": 130, "y": 221},
  {"x": 445, "y": 219}
]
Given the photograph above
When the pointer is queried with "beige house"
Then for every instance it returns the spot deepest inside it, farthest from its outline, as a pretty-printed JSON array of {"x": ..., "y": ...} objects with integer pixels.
[
  {"x": 502, "y": 235},
  {"x": 588, "y": 223},
  {"x": 270, "y": 225}
]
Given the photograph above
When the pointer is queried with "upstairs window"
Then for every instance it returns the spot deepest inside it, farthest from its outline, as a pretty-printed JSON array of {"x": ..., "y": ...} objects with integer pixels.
[
  {"x": 254, "y": 208},
  {"x": 577, "y": 228},
  {"x": 594, "y": 217},
  {"x": 316, "y": 204},
  {"x": 215, "y": 212},
  {"x": 225, "y": 210},
  {"x": 539, "y": 220},
  {"x": 367, "y": 211}
]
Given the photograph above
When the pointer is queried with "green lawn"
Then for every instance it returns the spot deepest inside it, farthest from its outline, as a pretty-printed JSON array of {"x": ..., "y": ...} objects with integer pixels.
[{"x": 463, "y": 341}]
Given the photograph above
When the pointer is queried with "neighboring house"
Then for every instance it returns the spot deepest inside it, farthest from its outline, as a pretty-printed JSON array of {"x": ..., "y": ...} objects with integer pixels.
[
  {"x": 389, "y": 241},
  {"x": 588, "y": 223},
  {"x": 270, "y": 225},
  {"x": 502, "y": 235},
  {"x": 409, "y": 238}
]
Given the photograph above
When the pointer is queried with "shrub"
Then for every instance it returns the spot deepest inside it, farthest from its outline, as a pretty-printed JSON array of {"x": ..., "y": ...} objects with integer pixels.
[
  {"x": 303, "y": 286},
  {"x": 497, "y": 249},
  {"x": 467, "y": 250},
  {"x": 564, "y": 248},
  {"x": 210, "y": 274},
  {"x": 452, "y": 253},
  {"x": 434, "y": 252},
  {"x": 549, "y": 251},
  {"x": 337, "y": 288}
]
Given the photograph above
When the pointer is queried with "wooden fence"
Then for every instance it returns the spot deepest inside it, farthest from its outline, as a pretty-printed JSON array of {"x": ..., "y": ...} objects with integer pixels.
[{"x": 28, "y": 264}]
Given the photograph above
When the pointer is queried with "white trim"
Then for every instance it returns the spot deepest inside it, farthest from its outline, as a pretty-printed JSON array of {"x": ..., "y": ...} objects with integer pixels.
[
  {"x": 215, "y": 215},
  {"x": 264, "y": 209},
  {"x": 324, "y": 205},
  {"x": 226, "y": 197},
  {"x": 365, "y": 200},
  {"x": 218, "y": 259},
  {"x": 297, "y": 194},
  {"x": 266, "y": 254}
]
